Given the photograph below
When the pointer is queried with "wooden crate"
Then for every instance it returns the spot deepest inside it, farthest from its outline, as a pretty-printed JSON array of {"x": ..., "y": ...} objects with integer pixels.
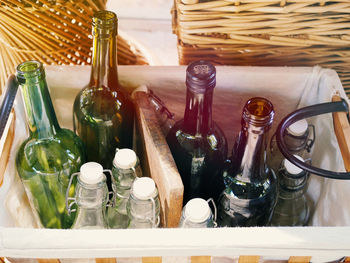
[
  {"x": 219, "y": 245},
  {"x": 265, "y": 33}
]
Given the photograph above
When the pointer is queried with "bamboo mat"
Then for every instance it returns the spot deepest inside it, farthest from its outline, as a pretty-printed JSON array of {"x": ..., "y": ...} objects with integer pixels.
[{"x": 53, "y": 32}]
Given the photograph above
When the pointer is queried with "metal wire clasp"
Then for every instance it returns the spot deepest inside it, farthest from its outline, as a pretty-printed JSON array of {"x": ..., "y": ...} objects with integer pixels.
[{"x": 70, "y": 201}]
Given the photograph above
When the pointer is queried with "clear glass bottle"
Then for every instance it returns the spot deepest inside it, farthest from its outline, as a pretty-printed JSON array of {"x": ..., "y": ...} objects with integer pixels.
[
  {"x": 126, "y": 168},
  {"x": 46, "y": 160},
  {"x": 103, "y": 114},
  {"x": 143, "y": 207},
  {"x": 293, "y": 204},
  {"x": 165, "y": 117},
  {"x": 198, "y": 145},
  {"x": 91, "y": 196},
  {"x": 197, "y": 214},
  {"x": 250, "y": 186},
  {"x": 299, "y": 139}
]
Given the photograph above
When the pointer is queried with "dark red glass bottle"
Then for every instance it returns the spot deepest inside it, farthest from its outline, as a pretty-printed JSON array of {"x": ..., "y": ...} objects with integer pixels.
[{"x": 198, "y": 145}]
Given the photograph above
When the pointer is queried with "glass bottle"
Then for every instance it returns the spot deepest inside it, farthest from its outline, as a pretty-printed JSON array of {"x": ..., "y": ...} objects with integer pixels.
[
  {"x": 299, "y": 140},
  {"x": 198, "y": 145},
  {"x": 197, "y": 214},
  {"x": 165, "y": 117},
  {"x": 250, "y": 186},
  {"x": 91, "y": 196},
  {"x": 143, "y": 207},
  {"x": 126, "y": 168},
  {"x": 103, "y": 114},
  {"x": 293, "y": 204},
  {"x": 46, "y": 160}
]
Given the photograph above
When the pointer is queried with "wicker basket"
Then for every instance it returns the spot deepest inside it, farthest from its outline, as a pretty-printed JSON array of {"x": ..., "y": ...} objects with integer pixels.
[
  {"x": 53, "y": 32},
  {"x": 265, "y": 32}
]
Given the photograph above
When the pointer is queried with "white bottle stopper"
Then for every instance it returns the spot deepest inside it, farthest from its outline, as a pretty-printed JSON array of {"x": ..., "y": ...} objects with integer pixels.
[
  {"x": 197, "y": 210},
  {"x": 144, "y": 188},
  {"x": 91, "y": 173},
  {"x": 125, "y": 159},
  {"x": 291, "y": 168},
  {"x": 298, "y": 128}
]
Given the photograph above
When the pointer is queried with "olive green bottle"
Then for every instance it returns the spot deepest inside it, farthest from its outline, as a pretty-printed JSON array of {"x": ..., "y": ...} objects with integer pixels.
[
  {"x": 46, "y": 160},
  {"x": 103, "y": 113}
]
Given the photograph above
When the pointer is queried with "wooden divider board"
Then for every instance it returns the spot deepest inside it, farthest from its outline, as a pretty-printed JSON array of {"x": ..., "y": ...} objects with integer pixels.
[{"x": 157, "y": 161}]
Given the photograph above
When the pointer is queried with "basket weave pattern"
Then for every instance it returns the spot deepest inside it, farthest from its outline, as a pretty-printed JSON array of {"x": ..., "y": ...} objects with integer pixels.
[
  {"x": 268, "y": 33},
  {"x": 53, "y": 32}
]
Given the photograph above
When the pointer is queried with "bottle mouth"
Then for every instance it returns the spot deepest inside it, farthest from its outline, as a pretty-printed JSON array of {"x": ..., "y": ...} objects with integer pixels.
[
  {"x": 201, "y": 76},
  {"x": 104, "y": 19},
  {"x": 31, "y": 68},
  {"x": 258, "y": 111}
]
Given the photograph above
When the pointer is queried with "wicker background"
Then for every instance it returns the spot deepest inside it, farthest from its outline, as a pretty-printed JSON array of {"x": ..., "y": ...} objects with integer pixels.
[
  {"x": 53, "y": 32},
  {"x": 265, "y": 33}
]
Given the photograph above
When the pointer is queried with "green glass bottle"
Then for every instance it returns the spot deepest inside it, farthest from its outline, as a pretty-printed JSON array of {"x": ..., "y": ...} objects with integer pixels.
[
  {"x": 103, "y": 113},
  {"x": 46, "y": 160}
]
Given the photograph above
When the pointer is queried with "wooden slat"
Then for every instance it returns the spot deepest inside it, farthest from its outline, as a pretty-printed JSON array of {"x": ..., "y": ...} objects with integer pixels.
[
  {"x": 151, "y": 260},
  {"x": 7, "y": 136},
  {"x": 200, "y": 259},
  {"x": 294, "y": 259},
  {"x": 158, "y": 161},
  {"x": 249, "y": 259},
  {"x": 46, "y": 260},
  {"x": 106, "y": 260},
  {"x": 342, "y": 132}
]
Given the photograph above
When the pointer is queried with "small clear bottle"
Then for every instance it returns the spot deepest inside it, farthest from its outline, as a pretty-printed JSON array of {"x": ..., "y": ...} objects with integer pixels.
[
  {"x": 293, "y": 204},
  {"x": 143, "y": 207},
  {"x": 299, "y": 140},
  {"x": 126, "y": 168},
  {"x": 91, "y": 196},
  {"x": 197, "y": 214}
]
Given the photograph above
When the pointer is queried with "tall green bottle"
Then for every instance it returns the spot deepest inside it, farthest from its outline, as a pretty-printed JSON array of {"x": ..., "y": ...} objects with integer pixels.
[
  {"x": 103, "y": 112},
  {"x": 46, "y": 160}
]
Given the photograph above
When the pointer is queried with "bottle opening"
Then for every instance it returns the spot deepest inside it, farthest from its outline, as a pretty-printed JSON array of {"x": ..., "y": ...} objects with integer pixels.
[
  {"x": 91, "y": 173},
  {"x": 298, "y": 128},
  {"x": 144, "y": 188},
  {"x": 29, "y": 68},
  {"x": 197, "y": 210},
  {"x": 258, "y": 111},
  {"x": 104, "y": 19},
  {"x": 291, "y": 168},
  {"x": 125, "y": 159},
  {"x": 201, "y": 76}
]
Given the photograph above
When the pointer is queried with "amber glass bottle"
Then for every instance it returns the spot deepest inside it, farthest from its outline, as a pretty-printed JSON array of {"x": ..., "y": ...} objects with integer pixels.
[
  {"x": 103, "y": 112},
  {"x": 198, "y": 145},
  {"x": 250, "y": 186}
]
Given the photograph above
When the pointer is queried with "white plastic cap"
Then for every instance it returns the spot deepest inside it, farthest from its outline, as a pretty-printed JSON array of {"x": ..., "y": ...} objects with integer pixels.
[
  {"x": 91, "y": 173},
  {"x": 291, "y": 168},
  {"x": 298, "y": 128},
  {"x": 125, "y": 159},
  {"x": 197, "y": 210},
  {"x": 144, "y": 188}
]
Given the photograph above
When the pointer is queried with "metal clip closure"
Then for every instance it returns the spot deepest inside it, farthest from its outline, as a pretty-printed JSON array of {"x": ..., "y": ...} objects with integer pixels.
[
  {"x": 161, "y": 105},
  {"x": 69, "y": 204}
]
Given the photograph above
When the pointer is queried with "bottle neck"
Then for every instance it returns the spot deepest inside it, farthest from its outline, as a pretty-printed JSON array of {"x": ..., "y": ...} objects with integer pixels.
[
  {"x": 91, "y": 201},
  {"x": 198, "y": 112},
  {"x": 250, "y": 152},
  {"x": 104, "y": 71},
  {"x": 41, "y": 117}
]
